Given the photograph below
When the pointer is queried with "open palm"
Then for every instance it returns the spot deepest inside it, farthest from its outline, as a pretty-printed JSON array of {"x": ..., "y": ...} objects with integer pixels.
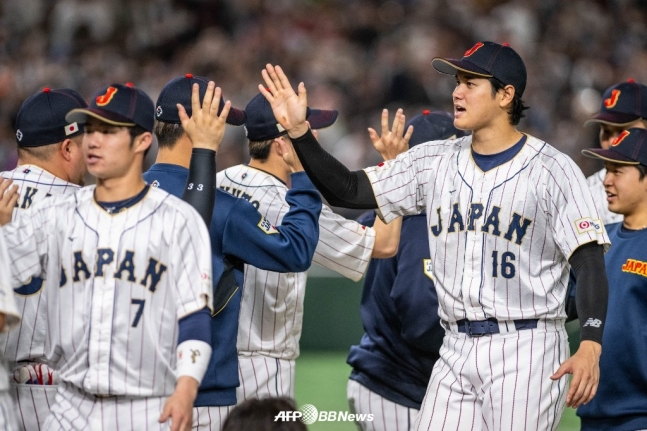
[{"x": 289, "y": 107}]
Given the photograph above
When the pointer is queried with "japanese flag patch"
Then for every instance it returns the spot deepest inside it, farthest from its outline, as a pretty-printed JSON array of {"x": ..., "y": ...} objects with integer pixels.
[
  {"x": 588, "y": 224},
  {"x": 71, "y": 129}
]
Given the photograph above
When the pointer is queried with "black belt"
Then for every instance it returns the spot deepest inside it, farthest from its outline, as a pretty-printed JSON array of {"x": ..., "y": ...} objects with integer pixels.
[{"x": 479, "y": 328}]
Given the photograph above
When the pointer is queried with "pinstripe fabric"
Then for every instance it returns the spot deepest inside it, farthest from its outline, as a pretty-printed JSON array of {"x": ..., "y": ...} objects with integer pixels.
[
  {"x": 387, "y": 415},
  {"x": 594, "y": 182},
  {"x": 271, "y": 313},
  {"x": 33, "y": 404},
  {"x": 78, "y": 410},
  {"x": 7, "y": 413},
  {"x": 262, "y": 377},
  {"x": 210, "y": 418},
  {"x": 27, "y": 342},
  {"x": 475, "y": 218},
  {"x": 498, "y": 382},
  {"x": 99, "y": 338}
]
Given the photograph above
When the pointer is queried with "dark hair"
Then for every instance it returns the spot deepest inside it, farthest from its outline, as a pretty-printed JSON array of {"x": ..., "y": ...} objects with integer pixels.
[
  {"x": 260, "y": 150},
  {"x": 260, "y": 414},
  {"x": 515, "y": 113},
  {"x": 642, "y": 169},
  {"x": 167, "y": 134}
]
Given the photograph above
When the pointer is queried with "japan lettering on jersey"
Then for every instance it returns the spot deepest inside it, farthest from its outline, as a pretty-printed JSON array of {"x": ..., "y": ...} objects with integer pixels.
[
  {"x": 27, "y": 342},
  {"x": 271, "y": 312},
  {"x": 124, "y": 280},
  {"x": 500, "y": 239}
]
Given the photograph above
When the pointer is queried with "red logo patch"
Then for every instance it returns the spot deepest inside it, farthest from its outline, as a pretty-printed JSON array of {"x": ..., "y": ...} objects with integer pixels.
[
  {"x": 611, "y": 101},
  {"x": 584, "y": 224},
  {"x": 473, "y": 49},
  {"x": 620, "y": 138},
  {"x": 105, "y": 98}
]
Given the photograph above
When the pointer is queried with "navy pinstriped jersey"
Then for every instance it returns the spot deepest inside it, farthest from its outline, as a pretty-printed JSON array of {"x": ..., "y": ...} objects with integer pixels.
[
  {"x": 238, "y": 230},
  {"x": 400, "y": 316},
  {"x": 620, "y": 403}
]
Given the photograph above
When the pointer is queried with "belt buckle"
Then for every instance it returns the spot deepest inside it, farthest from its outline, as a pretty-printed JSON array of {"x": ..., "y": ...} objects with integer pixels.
[{"x": 472, "y": 334}]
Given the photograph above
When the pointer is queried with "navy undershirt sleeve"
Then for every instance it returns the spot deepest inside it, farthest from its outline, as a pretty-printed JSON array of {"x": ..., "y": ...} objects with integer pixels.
[{"x": 195, "y": 326}]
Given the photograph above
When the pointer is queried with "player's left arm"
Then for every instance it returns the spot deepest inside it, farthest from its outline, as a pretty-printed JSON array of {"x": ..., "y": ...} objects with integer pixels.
[
  {"x": 580, "y": 235},
  {"x": 205, "y": 128}
]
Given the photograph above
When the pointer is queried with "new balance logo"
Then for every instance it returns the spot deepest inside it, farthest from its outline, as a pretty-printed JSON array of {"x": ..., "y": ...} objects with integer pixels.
[{"x": 596, "y": 323}]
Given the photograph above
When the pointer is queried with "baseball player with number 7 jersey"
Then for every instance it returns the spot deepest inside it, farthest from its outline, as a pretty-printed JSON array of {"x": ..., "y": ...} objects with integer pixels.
[
  {"x": 117, "y": 313},
  {"x": 508, "y": 217}
]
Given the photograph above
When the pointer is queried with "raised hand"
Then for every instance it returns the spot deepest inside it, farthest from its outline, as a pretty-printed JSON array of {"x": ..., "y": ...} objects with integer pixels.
[
  {"x": 391, "y": 142},
  {"x": 205, "y": 128},
  {"x": 8, "y": 198},
  {"x": 288, "y": 107}
]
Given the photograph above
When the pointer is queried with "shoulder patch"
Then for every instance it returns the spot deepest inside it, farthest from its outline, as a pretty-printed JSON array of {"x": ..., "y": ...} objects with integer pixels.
[
  {"x": 426, "y": 268},
  {"x": 588, "y": 224},
  {"x": 266, "y": 226}
]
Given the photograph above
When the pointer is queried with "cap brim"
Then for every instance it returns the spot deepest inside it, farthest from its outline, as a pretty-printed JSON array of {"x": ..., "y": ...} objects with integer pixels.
[
  {"x": 320, "y": 118},
  {"x": 236, "y": 117},
  {"x": 449, "y": 66},
  {"x": 617, "y": 119},
  {"x": 609, "y": 156},
  {"x": 81, "y": 115}
]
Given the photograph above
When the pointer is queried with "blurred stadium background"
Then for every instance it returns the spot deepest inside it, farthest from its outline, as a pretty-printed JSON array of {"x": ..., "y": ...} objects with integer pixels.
[{"x": 357, "y": 56}]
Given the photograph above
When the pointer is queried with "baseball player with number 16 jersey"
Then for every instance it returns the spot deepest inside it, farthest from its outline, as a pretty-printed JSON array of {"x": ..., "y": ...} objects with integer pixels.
[{"x": 508, "y": 217}]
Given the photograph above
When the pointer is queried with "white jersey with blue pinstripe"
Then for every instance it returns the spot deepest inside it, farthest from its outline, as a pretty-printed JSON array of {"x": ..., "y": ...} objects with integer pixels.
[
  {"x": 28, "y": 341},
  {"x": 499, "y": 240},
  {"x": 596, "y": 186},
  {"x": 271, "y": 312},
  {"x": 125, "y": 279},
  {"x": 7, "y": 306}
]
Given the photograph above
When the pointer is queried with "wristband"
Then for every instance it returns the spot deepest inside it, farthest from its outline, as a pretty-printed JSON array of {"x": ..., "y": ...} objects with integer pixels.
[{"x": 193, "y": 359}]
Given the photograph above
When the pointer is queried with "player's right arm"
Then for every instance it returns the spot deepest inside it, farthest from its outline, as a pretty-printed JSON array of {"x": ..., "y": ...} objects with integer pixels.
[
  {"x": 9, "y": 316},
  {"x": 206, "y": 129},
  {"x": 285, "y": 248}
]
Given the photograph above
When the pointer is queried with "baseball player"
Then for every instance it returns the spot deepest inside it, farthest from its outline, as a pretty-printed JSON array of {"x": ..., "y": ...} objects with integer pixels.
[
  {"x": 624, "y": 105},
  {"x": 50, "y": 162},
  {"x": 238, "y": 234},
  {"x": 9, "y": 318},
  {"x": 271, "y": 312},
  {"x": 122, "y": 317},
  {"x": 393, "y": 362},
  {"x": 508, "y": 216},
  {"x": 621, "y": 401}
]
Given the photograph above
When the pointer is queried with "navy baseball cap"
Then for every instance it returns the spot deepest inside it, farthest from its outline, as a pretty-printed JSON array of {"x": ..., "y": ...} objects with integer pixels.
[
  {"x": 488, "y": 59},
  {"x": 41, "y": 118},
  {"x": 119, "y": 105},
  {"x": 179, "y": 90},
  {"x": 432, "y": 126},
  {"x": 622, "y": 104},
  {"x": 262, "y": 126},
  {"x": 629, "y": 148}
]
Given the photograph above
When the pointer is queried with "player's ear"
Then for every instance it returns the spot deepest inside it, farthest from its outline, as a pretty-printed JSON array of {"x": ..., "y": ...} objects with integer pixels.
[
  {"x": 507, "y": 95},
  {"x": 67, "y": 148},
  {"x": 143, "y": 142}
]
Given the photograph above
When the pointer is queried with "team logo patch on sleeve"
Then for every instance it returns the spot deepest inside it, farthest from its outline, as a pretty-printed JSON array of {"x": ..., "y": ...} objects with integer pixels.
[
  {"x": 588, "y": 224},
  {"x": 266, "y": 226},
  {"x": 427, "y": 268}
]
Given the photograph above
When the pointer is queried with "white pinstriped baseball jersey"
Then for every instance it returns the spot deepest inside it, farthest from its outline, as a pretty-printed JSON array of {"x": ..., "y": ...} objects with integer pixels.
[
  {"x": 271, "y": 311},
  {"x": 125, "y": 280},
  {"x": 28, "y": 341},
  {"x": 594, "y": 182},
  {"x": 499, "y": 240}
]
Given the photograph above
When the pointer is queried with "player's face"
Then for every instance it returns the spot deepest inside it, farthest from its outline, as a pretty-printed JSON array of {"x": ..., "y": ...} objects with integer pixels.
[
  {"x": 626, "y": 193},
  {"x": 608, "y": 132},
  {"x": 474, "y": 106},
  {"x": 107, "y": 149}
]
